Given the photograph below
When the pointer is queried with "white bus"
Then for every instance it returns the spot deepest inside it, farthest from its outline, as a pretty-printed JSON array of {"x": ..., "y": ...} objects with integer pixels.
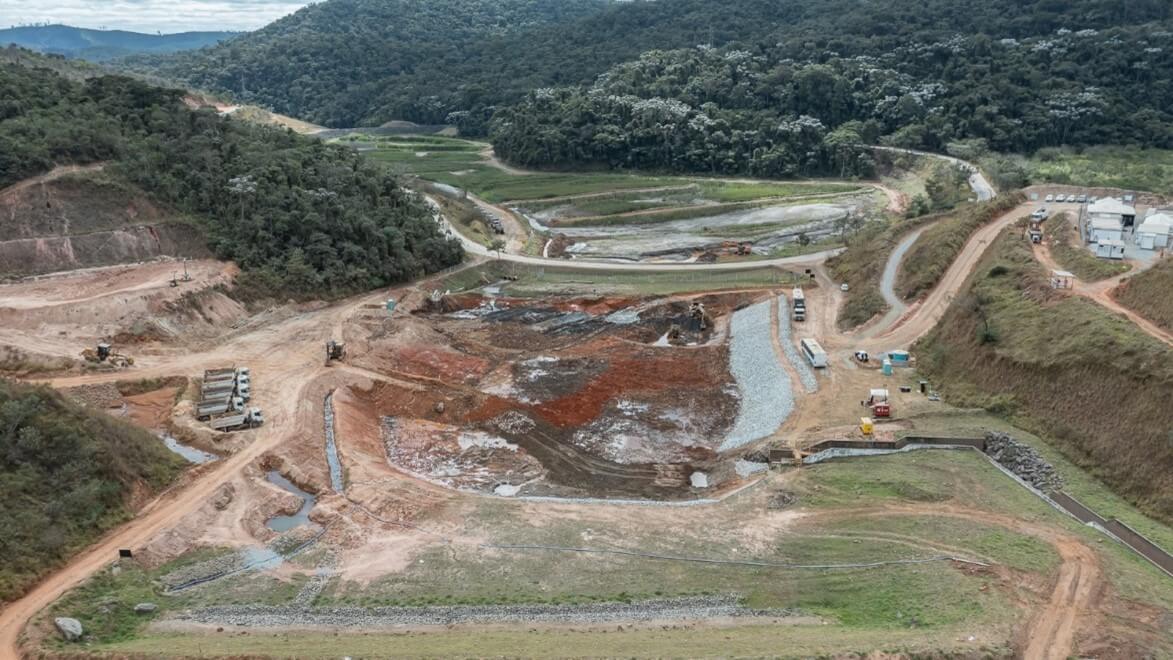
[{"x": 814, "y": 353}]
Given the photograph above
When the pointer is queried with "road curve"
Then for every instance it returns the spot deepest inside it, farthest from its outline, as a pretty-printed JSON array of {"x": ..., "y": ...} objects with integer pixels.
[{"x": 978, "y": 182}]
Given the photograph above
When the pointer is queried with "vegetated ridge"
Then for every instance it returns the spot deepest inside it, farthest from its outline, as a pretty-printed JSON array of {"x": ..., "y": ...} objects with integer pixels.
[
  {"x": 66, "y": 476},
  {"x": 1150, "y": 293},
  {"x": 1086, "y": 379},
  {"x": 301, "y": 218},
  {"x": 102, "y": 45},
  {"x": 1021, "y": 75}
]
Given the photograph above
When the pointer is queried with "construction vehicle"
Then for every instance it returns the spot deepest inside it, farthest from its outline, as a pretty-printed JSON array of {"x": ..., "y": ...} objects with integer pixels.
[
  {"x": 866, "y": 426},
  {"x": 209, "y": 408},
  {"x": 696, "y": 311},
  {"x": 798, "y": 303},
  {"x": 246, "y": 419},
  {"x": 104, "y": 353},
  {"x": 1035, "y": 231},
  {"x": 335, "y": 350}
]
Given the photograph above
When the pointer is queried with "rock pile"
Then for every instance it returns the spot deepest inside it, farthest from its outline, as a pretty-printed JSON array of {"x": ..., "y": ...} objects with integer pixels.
[{"x": 1023, "y": 461}]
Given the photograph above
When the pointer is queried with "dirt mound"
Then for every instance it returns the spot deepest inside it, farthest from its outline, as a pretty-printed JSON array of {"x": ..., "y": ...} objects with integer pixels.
[{"x": 84, "y": 220}]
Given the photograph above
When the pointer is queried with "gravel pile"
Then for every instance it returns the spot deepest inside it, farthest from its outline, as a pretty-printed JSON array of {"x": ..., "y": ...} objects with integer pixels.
[
  {"x": 267, "y": 616},
  {"x": 806, "y": 374},
  {"x": 764, "y": 386},
  {"x": 1023, "y": 461}
]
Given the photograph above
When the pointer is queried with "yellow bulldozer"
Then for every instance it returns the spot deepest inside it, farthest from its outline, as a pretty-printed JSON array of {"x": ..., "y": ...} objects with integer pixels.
[{"x": 103, "y": 353}]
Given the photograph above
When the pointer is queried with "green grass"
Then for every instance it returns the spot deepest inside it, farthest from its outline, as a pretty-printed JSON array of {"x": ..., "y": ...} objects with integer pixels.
[
  {"x": 1067, "y": 248},
  {"x": 1094, "y": 383},
  {"x": 1129, "y": 168},
  {"x": 1149, "y": 293},
  {"x": 937, "y": 248},
  {"x": 740, "y": 640}
]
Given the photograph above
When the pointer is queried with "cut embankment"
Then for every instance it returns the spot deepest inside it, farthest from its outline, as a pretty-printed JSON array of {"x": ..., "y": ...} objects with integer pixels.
[
  {"x": 1084, "y": 378},
  {"x": 81, "y": 220},
  {"x": 764, "y": 386},
  {"x": 1150, "y": 294}
]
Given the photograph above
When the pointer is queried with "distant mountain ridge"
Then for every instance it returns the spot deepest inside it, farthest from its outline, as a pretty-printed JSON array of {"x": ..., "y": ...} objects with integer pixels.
[{"x": 103, "y": 45}]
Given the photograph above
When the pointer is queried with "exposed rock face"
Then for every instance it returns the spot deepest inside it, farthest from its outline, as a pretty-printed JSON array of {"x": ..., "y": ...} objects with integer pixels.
[
  {"x": 1023, "y": 461},
  {"x": 70, "y": 629},
  {"x": 145, "y": 608}
]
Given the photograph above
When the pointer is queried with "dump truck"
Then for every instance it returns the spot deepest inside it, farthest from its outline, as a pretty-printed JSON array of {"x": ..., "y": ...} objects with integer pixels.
[
  {"x": 246, "y": 419},
  {"x": 335, "y": 350},
  {"x": 211, "y": 407}
]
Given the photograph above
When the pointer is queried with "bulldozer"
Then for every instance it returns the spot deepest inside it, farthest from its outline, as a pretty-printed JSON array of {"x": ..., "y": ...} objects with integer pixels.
[
  {"x": 335, "y": 350},
  {"x": 103, "y": 353}
]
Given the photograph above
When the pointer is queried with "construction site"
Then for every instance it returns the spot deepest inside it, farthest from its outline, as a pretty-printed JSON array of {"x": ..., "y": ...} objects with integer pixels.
[{"x": 688, "y": 452}]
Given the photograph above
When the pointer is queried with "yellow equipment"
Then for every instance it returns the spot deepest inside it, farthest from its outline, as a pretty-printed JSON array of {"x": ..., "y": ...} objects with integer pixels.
[{"x": 866, "y": 426}]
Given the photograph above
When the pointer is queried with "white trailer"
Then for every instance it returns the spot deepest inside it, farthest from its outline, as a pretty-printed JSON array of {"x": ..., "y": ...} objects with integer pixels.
[{"x": 814, "y": 353}]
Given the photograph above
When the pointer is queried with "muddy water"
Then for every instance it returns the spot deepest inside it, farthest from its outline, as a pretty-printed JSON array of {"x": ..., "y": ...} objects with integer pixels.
[
  {"x": 190, "y": 454},
  {"x": 332, "y": 447},
  {"x": 302, "y": 517}
]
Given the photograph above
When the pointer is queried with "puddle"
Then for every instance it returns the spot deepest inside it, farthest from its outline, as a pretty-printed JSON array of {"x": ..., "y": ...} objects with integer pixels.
[
  {"x": 332, "y": 447},
  {"x": 190, "y": 454},
  {"x": 254, "y": 557},
  {"x": 662, "y": 341},
  {"x": 302, "y": 517}
]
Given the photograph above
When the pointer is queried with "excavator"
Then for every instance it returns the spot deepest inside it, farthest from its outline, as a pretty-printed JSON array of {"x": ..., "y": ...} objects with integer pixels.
[{"x": 103, "y": 353}]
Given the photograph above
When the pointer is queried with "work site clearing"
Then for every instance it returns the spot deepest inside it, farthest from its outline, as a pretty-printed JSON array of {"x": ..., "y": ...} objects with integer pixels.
[{"x": 505, "y": 460}]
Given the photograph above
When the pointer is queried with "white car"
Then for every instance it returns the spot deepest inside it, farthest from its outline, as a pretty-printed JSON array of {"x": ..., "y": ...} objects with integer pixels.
[{"x": 1050, "y": 198}]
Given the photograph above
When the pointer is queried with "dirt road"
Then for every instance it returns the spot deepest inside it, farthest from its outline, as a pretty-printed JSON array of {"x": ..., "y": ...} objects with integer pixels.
[
  {"x": 285, "y": 361},
  {"x": 1101, "y": 293},
  {"x": 51, "y": 175}
]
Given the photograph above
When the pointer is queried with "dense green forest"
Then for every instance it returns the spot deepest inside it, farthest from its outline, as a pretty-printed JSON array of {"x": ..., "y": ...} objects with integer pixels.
[
  {"x": 735, "y": 111},
  {"x": 66, "y": 476},
  {"x": 363, "y": 62},
  {"x": 300, "y": 217}
]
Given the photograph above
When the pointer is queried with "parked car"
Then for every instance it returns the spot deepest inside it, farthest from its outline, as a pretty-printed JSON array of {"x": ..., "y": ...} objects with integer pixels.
[
  {"x": 1050, "y": 198},
  {"x": 1082, "y": 199}
]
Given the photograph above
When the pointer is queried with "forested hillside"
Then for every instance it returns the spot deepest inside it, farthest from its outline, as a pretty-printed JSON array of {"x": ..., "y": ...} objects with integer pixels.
[
  {"x": 102, "y": 45},
  {"x": 300, "y": 217},
  {"x": 66, "y": 476},
  {"x": 762, "y": 113},
  {"x": 362, "y": 62}
]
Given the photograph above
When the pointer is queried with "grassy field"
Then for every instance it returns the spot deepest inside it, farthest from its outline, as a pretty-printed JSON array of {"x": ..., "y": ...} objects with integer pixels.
[
  {"x": 937, "y": 248},
  {"x": 1108, "y": 167},
  {"x": 922, "y": 607},
  {"x": 1095, "y": 384},
  {"x": 1069, "y": 252},
  {"x": 1150, "y": 293}
]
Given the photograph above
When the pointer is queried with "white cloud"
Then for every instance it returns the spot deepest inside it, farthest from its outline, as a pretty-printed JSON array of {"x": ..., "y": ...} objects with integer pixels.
[{"x": 149, "y": 15}]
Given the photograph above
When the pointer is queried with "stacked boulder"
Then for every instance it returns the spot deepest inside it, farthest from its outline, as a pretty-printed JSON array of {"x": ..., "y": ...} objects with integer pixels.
[{"x": 1023, "y": 461}]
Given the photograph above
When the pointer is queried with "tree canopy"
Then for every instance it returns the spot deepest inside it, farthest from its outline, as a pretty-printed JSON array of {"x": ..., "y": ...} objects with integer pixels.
[{"x": 300, "y": 217}]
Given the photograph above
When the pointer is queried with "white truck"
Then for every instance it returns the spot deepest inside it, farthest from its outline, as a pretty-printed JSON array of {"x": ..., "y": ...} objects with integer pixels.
[
  {"x": 798, "y": 299},
  {"x": 247, "y": 419}
]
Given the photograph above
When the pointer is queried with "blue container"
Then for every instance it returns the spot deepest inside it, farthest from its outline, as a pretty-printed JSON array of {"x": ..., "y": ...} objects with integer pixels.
[
  {"x": 390, "y": 305},
  {"x": 887, "y": 367}
]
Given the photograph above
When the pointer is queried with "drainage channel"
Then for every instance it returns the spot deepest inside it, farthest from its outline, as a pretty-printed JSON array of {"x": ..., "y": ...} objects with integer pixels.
[
  {"x": 302, "y": 517},
  {"x": 331, "y": 446},
  {"x": 189, "y": 454}
]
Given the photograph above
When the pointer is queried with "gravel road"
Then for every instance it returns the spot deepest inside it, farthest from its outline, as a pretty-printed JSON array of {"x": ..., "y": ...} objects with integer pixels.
[{"x": 810, "y": 382}]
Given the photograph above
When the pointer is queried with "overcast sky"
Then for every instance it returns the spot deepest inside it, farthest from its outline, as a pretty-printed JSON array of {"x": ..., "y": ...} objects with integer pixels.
[{"x": 148, "y": 15}]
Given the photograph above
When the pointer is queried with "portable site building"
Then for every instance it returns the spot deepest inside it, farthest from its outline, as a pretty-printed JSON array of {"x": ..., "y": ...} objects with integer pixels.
[
  {"x": 1105, "y": 229},
  {"x": 1110, "y": 249},
  {"x": 899, "y": 358},
  {"x": 1112, "y": 209},
  {"x": 1061, "y": 279},
  {"x": 1155, "y": 232}
]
